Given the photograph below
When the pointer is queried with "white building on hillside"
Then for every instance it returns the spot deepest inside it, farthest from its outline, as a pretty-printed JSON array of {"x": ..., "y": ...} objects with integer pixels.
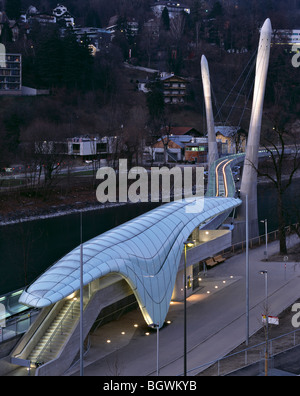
[
  {"x": 290, "y": 37},
  {"x": 174, "y": 8},
  {"x": 62, "y": 14}
]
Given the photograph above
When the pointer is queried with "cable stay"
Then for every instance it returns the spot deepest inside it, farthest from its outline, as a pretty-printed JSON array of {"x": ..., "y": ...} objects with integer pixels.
[{"x": 240, "y": 93}]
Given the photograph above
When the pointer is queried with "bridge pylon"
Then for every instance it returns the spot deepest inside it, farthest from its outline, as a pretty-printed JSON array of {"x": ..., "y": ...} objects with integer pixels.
[
  {"x": 212, "y": 142},
  {"x": 249, "y": 176}
]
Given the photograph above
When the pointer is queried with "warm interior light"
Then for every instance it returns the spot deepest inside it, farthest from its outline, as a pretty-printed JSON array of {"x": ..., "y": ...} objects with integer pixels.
[{"x": 189, "y": 243}]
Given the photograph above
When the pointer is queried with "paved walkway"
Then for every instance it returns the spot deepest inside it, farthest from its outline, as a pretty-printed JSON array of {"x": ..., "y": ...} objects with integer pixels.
[{"x": 216, "y": 320}]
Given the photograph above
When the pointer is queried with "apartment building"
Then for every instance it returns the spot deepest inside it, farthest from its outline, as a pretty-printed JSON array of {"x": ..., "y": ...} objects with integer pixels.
[
  {"x": 11, "y": 74},
  {"x": 174, "y": 89}
]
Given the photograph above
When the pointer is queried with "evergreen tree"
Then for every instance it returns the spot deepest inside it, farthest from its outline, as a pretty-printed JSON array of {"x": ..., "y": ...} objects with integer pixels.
[
  {"x": 63, "y": 62},
  {"x": 155, "y": 99},
  {"x": 13, "y": 8},
  {"x": 92, "y": 19},
  {"x": 217, "y": 10},
  {"x": 49, "y": 62},
  {"x": 165, "y": 18},
  {"x": 6, "y": 34},
  {"x": 12, "y": 125},
  {"x": 77, "y": 63}
]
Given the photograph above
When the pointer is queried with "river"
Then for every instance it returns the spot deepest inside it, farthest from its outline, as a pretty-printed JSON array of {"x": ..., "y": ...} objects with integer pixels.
[{"x": 29, "y": 248}]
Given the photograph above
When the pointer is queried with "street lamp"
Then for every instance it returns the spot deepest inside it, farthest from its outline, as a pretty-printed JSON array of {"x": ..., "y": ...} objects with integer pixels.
[
  {"x": 81, "y": 337},
  {"x": 156, "y": 326},
  {"x": 266, "y": 236},
  {"x": 186, "y": 244},
  {"x": 265, "y": 273},
  {"x": 247, "y": 272}
]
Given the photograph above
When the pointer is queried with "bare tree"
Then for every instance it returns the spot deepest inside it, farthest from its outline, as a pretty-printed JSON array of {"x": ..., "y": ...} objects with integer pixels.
[
  {"x": 148, "y": 40},
  {"x": 27, "y": 237},
  {"x": 133, "y": 136},
  {"x": 45, "y": 149},
  {"x": 177, "y": 28},
  {"x": 284, "y": 161}
]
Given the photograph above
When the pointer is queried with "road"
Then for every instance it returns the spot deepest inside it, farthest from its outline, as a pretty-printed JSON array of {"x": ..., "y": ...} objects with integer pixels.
[{"x": 216, "y": 321}]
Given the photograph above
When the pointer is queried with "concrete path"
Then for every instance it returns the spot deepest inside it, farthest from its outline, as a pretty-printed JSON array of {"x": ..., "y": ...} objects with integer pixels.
[{"x": 216, "y": 321}]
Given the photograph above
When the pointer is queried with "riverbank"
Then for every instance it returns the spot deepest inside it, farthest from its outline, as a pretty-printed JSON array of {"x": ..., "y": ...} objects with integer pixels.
[
  {"x": 52, "y": 210},
  {"x": 20, "y": 206},
  {"x": 266, "y": 180},
  {"x": 25, "y": 205}
]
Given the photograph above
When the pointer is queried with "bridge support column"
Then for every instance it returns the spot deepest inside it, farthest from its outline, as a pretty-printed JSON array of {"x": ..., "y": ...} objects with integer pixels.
[
  {"x": 212, "y": 142},
  {"x": 249, "y": 177}
]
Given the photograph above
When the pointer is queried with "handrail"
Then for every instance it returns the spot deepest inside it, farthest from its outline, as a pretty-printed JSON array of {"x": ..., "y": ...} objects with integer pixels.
[
  {"x": 234, "y": 247},
  {"x": 59, "y": 327},
  {"x": 89, "y": 343},
  {"x": 244, "y": 351}
]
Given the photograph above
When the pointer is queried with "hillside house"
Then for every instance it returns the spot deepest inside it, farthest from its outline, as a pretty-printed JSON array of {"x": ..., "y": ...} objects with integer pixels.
[
  {"x": 174, "y": 8},
  {"x": 166, "y": 150},
  {"x": 184, "y": 130},
  {"x": 175, "y": 89},
  {"x": 100, "y": 39},
  {"x": 196, "y": 150},
  {"x": 233, "y": 139},
  {"x": 180, "y": 148},
  {"x": 63, "y": 16}
]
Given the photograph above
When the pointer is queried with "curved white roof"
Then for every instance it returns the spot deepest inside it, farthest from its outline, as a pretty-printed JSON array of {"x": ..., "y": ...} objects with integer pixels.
[{"x": 146, "y": 251}]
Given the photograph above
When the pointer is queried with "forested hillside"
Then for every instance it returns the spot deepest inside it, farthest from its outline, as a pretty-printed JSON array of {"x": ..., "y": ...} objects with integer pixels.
[{"x": 97, "y": 95}]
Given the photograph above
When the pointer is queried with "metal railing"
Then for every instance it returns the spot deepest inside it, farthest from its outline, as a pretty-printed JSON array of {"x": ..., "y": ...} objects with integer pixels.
[
  {"x": 272, "y": 236},
  {"x": 18, "y": 325},
  {"x": 58, "y": 330},
  {"x": 248, "y": 356}
]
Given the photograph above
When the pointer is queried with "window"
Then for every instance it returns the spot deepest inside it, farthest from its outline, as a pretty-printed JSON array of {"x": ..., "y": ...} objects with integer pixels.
[
  {"x": 76, "y": 148},
  {"x": 200, "y": 148},
  {"x": 101, "y": 147},
  {"x": 159, "y": 157}
]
